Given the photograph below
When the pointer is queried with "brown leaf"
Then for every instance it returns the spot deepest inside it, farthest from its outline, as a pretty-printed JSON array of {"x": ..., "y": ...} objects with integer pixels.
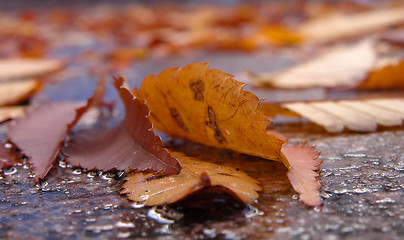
[
  {"x": 8, "y": 155},
  {"x": 132, "y": 145},
  {"x": 15, "y": 92},
  {"x": 334, "y": 27},
  {"x": 19, "y": 68},
  {"x": 209, "y": 107},
  {"x": 40, "y": 133},
  {"x": 153, "y": 189},
  {"x": 303, "y": 172}
]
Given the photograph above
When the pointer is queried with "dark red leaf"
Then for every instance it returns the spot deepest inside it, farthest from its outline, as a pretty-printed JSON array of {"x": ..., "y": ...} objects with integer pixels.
[
  {"x": 40, "y": 133},
  {"x": 132, "y": 145},
  {"x": 8, "y": 155}
]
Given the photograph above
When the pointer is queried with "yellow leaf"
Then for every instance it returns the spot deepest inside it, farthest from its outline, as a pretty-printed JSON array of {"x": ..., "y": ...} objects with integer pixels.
[
  {"x": 151, "y": 189},
  {"x": 209, "y": 107}
]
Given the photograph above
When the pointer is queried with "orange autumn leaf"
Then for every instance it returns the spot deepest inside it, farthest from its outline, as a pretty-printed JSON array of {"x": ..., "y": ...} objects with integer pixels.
[
  {"x": 389, "y": 76},
  {"x": 209, "y": 107},
  {"x": 151, "y": 189}
]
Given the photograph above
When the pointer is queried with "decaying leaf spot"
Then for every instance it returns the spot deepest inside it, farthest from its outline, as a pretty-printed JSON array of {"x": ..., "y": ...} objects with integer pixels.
[
  {"x": 177, "y": 117},
  {"x": 198, "y": 87},
  {"x": 212, "y": 124},
  {"x": 150, "y": 189},
  {"x": 131, "y": 145},
  {"x": 40, "y": 133},
  {"x": 226, "y": 108}
]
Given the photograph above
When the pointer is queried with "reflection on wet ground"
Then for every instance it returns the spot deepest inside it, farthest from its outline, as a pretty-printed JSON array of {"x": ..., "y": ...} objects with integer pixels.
[
  {"x": 362, "y": 190},
  {"x": 362, "y": 177}
]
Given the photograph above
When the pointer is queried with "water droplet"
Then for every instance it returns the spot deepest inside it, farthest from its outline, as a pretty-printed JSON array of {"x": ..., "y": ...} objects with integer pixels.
[
  {"x": 385, "y": 200},
  {"x": 108, "y": 206},
  {"x": 123, "y": 234},
  {"x": 250, "y": 211},
  {"x": 355, "y": 155},
  {"x": 211, "y": 233},
  {"x": 108, "y": 175},
  {"x": 153, "y": 214},
  {"x": 120, "y": 175},
  {"x": 9, "y": 171},
  {"x": 77, "y": 171},
  {"x": 62, "y": 164},
  {"x": 92, "y": 173},
  {"x": 121, "y": 224},
  {"x": 8, "y": 145},
  {"x": 138, "y": 204}
]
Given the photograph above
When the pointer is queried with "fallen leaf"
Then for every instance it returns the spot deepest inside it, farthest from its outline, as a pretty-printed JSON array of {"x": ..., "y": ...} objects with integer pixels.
[
  {"x": 303, "y": 172},
  {"x": 21, "y": 68},
  {"x": 334, "y": 27},
  {"x": 7, "y": 113},
  {"x": 42, "y": 130},
  {"x": 15, "y": 92},
  {"x": 8, "y": 155},
  {"x": 40, "y": 133},
  {"x": 209, "y": 107},
  {"x": 342, "y": 66},
  {"x": 390, "y": 75},
  {"x": 131, "y": 145},
  {"x": 151, "y": 189},
  {"x": 357, "y": 115}
]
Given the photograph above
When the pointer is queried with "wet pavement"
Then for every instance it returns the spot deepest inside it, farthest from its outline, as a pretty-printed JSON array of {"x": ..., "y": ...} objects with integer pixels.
[
  {"x": 362, "y": 191},
  {"x": 362, "y": 181},
  {"x": 362, "y": 178}
]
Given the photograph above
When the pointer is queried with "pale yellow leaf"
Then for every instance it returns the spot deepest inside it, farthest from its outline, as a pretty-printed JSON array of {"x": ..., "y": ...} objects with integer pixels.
[
  {"x": 342, "y": 66},
  {"x": 17, "y": 91},
  {"x": 339, "y": 26},
  {"x": 356, "y": 115},
  {"x": 18, "y": 68}
]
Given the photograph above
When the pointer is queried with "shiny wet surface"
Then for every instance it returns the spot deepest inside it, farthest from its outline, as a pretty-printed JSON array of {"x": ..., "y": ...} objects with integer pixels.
[{"x": 362, "y": 178}]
